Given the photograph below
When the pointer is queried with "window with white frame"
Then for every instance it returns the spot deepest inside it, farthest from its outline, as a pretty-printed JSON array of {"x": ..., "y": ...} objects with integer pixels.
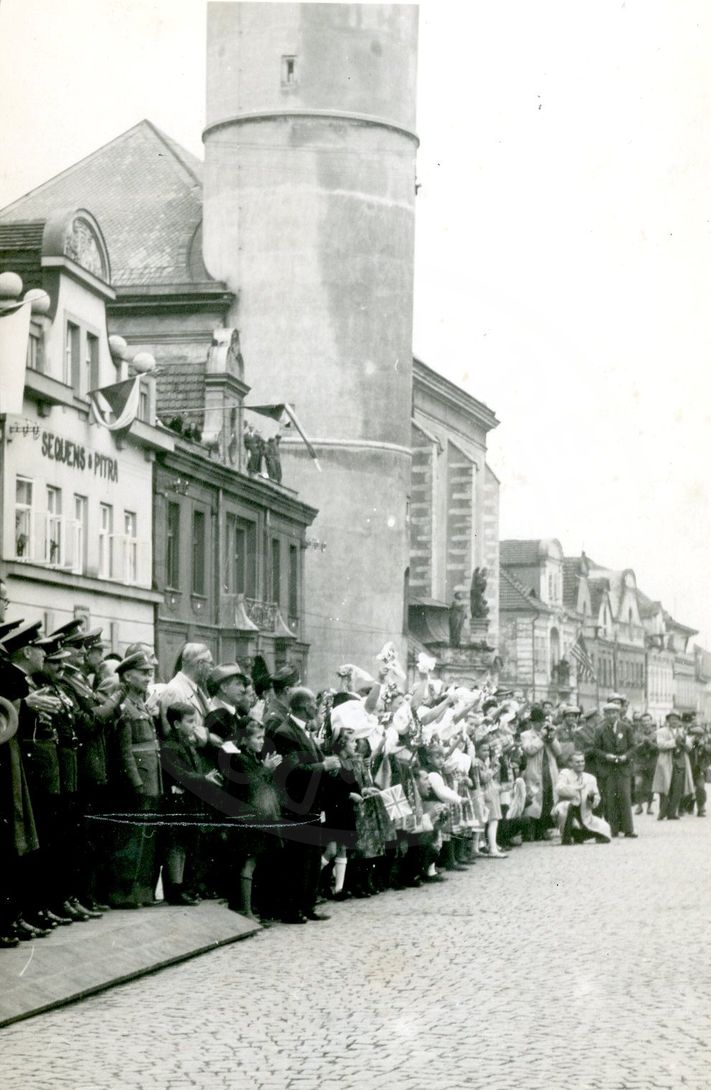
[
  {"x": 78, "y": 533},
  {"x": 130, "y": 557},
  {"x": 106, "y": 541},
  {"x": 23, "y": 518},
  {"x": 72, "y": 344},
  {"x": 53, "y": 539},
  {"x": 34, "y": 352}
]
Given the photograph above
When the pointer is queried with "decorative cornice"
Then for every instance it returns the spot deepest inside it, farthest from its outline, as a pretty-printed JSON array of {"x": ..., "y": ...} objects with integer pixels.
[{"x": 297, "y": 112}]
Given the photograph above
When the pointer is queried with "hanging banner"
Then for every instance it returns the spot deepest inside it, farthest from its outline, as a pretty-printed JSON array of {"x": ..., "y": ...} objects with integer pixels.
[
  {"x": 14, "y": 338},
  {"x": 120, "y": 401}
]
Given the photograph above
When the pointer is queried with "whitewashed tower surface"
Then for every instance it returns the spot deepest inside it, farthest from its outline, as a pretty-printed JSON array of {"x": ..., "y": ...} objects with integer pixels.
[{"x": 309, "y": 216}]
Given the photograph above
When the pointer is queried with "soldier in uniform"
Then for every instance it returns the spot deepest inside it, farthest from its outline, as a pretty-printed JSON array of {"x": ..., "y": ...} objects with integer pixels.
[
  {"x": 90, "y": 727},
  {"x": 614, "y": 746},
  {"x": 137, "y": 788},
  {"x": 18, "y": 834},
  {"x": 37, "y": 734},
  {"x": 70, "y": 826}
]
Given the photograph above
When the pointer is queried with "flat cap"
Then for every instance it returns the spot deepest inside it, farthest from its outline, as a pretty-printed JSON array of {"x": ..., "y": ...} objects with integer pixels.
[
  {"x": 139, "y": 661},
  {"x": 611, "y": 706}
]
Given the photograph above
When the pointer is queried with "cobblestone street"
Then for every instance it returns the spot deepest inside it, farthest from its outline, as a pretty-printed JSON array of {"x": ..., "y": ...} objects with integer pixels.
[{"x": 560, "y": 967}]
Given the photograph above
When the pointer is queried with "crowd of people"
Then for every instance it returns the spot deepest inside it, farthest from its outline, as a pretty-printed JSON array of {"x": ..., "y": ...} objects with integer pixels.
[{"x": 116, "y": 788}]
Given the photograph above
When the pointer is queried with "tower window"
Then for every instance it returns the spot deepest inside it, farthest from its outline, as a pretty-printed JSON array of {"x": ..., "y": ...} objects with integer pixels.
[{"x": 288, "y": 71}]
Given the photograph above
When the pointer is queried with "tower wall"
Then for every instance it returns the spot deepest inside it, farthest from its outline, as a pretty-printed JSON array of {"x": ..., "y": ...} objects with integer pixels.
[{"x": 309, "y": 217}]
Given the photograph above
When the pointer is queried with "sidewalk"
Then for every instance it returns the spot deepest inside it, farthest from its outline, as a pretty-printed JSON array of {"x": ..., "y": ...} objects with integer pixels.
[{"x": 84, "y": 958}]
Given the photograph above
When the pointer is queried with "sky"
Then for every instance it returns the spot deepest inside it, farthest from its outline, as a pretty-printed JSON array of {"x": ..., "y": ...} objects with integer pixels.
[{"x": 563, "y": 253}]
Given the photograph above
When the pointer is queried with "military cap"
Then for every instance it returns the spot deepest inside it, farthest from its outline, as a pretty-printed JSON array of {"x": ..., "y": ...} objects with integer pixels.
[
  {"x": 26, "y": 635},
  {"x": 52, "y": 645},
  {"x": 221, "y": 673},
  {"x": 83, "y": 639},
  {"x": 139, "y": 661},
  {"x": 611, "y": 706},
  {"x": 57, "y": 656},
  {"x": 672, "y": 715},
  {"x": 569, "y": 709},
  {"x": 9, "y": 626},
  {"x": 285, "y": 677},
  {"x": 69, "y": 628},
  {"x": 616, "y": 698}
]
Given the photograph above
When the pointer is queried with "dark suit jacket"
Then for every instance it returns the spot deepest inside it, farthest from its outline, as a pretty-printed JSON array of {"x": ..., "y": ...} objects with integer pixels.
[
  {"x": 300, "y": 778},
  {"x": 617, "y": 739}
]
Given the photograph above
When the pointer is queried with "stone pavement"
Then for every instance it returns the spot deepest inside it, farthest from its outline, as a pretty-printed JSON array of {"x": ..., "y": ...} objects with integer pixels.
[{"x": 581, "y": 967}]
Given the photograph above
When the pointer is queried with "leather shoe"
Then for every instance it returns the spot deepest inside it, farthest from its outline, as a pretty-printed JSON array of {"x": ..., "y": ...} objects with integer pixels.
[
  {"x": 317, "y": 916},
  {"x": 56, "y": 917},
  {"x": 296, "y": 917},
  {"x": 68, "y": 909},
  {"x": 8, "y": 940},
  {"x": 183, "y": 898},
  {"x": 631, "y": 836},
  {"x": 26, "y": 930},
  {"x": 434, "y": 878},
  {"x": 95, "y": 906},
  {"x": 74, "y": 902},
  {"x": 41, "y": 921}
]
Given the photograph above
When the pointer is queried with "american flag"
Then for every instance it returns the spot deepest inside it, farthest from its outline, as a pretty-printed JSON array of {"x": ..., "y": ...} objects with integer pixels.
[{"x": 581, "y": 655}]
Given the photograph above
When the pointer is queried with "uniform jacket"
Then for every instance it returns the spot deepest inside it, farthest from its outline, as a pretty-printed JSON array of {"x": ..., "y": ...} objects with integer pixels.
[{"x": 137, "y": 748}]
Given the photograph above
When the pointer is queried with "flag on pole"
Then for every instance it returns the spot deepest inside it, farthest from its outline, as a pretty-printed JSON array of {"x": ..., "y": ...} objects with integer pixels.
[
  {"x": 581, "y": 655},
  {"x": 120, "y": 401},
  {"x": 284, "y": 414},
  {"x": 14, "y": 338}
]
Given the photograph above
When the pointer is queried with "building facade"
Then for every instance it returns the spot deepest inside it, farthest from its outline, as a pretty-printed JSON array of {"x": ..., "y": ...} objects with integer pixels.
[
  {"x": 76, "y": 495},
  {"x": 294, "y": 243}
]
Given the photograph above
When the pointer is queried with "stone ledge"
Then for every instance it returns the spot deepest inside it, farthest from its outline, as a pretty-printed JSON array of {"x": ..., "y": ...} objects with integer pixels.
[{"x": 77, "y": 961}]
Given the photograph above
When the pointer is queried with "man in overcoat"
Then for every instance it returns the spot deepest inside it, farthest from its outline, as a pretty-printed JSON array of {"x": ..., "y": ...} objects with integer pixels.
[
  {"x": 301, "y": 779},
  {"x": 614, "y": 749}
]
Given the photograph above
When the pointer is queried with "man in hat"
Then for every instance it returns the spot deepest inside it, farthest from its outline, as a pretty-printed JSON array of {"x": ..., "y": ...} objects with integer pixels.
[
  {"x": 700, "y": 759},
  {"x": 70, "y": 831},
  {"x": 227, "y": 689},
  {"x": 138, "y": 788},
  {"x": 672, "y": 776},
  {"x": 645, "y": 761},
  {"x": 541, "y": 750},
  {"x": 284, "y": 681},
  {"x": 614, "y": 748},
  {"x": 565, "y": 733},
  {"x": 18, "y": 833}
]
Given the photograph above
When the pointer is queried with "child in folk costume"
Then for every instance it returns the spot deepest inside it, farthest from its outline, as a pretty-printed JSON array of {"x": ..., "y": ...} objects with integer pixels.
[
  {"x": 457, "y": 768},
  {"x": 434, "y": 758}
]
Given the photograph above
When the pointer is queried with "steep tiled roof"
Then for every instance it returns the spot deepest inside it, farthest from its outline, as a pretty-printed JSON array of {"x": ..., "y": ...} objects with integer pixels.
[
  {"x": 21, "y": 251},
  {"x": 146, "y": 193},
  {"x": 647, "y": 608},
  {"x": 519, "y": 552},
  {"x": 180, "y": 390},
  {"x": 513, "y": 595}
]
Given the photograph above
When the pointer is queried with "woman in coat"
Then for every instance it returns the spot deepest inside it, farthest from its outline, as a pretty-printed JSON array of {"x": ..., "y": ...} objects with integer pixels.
[{"x": 540, "y": 774}]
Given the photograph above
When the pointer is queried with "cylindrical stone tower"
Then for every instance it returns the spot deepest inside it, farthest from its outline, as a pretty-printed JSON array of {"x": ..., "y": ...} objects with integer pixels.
[{"x": 309, "y": 201}]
